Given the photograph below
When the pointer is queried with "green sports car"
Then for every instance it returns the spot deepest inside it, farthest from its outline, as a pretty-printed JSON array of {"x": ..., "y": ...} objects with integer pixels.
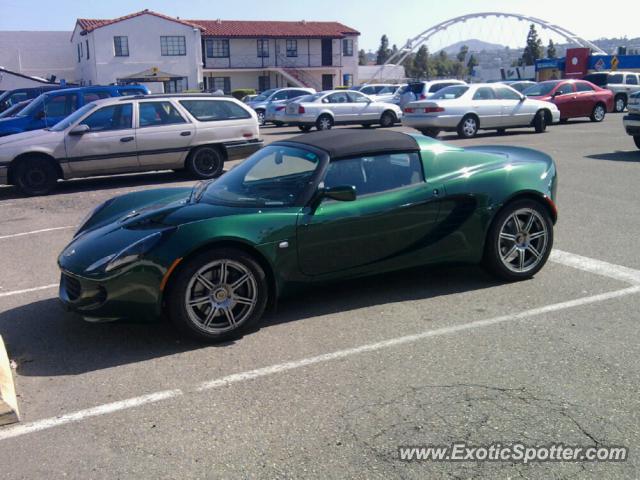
[{"x": 317, "y": 207}]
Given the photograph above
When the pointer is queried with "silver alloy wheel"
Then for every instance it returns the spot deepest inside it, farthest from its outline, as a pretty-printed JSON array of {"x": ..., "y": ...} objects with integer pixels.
[
  {"x": 221, "y": 296},
  {"x": 620, "y": 104},
  {"x": 599, "y": 113},
  {"x": 260, "y": 114},
  {"x": 324, "y": 123},
  {"x": 469, "y": 127},
  {"x": 523, "y": 240}
]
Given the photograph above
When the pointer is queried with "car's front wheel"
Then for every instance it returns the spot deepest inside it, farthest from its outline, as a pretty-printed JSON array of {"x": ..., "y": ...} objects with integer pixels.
[
  {"x": 218, "y": 295},
  {"x": 387, "y": 119},
  {"x": 35, "y": 176},
  {"x": 468, "y": 126},
  {"x": 324, "y": 122},
  {"x": 519, "y": 240},
  {"x": 598, "y": 113},
  {"x": 540, "y": 122},
  {"x": 205, "y": 163},
  {"x": 620, "y": 103}
]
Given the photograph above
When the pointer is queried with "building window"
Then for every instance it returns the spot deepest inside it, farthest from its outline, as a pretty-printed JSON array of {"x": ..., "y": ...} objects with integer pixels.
[
  {"x": 217, "y": 48},
  {"x": 219, "y": 83},
  {"x": 87, "y": 44},
  {"x": 347, "y": 47},
  {"x": 263, "y": 48},
  {"x": 121, "y": 46},
  {"x": 175, "y": 86},
  {"x": 264, "y": 83},
  {"x": 172, "y": 46},
  {"x": 292, "y": 48}
]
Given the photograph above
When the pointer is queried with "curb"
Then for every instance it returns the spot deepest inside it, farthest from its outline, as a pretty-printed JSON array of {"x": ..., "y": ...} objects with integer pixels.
[{"x": 8, "y": 402}]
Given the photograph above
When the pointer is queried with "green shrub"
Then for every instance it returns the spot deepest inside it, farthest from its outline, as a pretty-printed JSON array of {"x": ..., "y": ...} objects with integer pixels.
[{"x": 240, "y": 93}]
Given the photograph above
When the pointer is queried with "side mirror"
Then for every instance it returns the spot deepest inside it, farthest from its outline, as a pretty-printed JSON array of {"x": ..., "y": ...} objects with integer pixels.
[
  {"x": 342, "y": 193},
  {"x": 523, "y": 98},
  {"x": 556, "y": 94},
  {"x": 79, "y": 129}
]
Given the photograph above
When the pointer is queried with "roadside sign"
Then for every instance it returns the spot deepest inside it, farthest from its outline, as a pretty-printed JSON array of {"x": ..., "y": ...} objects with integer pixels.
[{"x": 614, "y": 62}]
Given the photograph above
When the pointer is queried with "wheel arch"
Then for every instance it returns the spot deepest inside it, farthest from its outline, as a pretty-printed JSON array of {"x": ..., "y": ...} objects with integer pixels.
[
  {"x": 27, "y": 155},
  {"x": 217, "y": 146},
  {"x": 471, "y": 113},
  {"x": 534, "y": 195}
]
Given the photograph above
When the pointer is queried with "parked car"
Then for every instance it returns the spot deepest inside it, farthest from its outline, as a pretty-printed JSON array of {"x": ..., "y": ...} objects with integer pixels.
[
  {"x": 15, "y": 108},
  {"x": 313, "y": 208},
  {"x": 51, "y": 107},
  {"x": 11, "y": 97},
  {"x": 622, "y": 84},
  {"x": 130, "y": 134},
  {"x": 421, "y": 91},
  {"x": 372, "y": 88},
  {"x": 387, "y": 93},
  {"x": 275, "y": 96},
  {"x": 340, "y": 107},
  {"x": 482, "y": 106},
  {"x": 574, "y": 98},
  {"x": 519, "y": 85},
  {"x": 631, "y": 121}
]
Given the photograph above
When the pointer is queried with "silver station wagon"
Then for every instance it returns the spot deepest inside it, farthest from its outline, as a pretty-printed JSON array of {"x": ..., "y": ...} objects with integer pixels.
[{"x": 132, "y": 134}]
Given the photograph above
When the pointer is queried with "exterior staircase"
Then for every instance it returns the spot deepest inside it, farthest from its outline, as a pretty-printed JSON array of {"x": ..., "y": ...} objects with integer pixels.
[{"x": 300, "y": 77}]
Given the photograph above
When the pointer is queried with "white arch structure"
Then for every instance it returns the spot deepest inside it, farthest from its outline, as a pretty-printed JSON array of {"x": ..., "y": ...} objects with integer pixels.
[{"x": 424, "y": 37}]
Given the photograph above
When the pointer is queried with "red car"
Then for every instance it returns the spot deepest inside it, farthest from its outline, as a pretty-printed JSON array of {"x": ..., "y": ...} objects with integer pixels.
[{"x": 574, "y": 98}]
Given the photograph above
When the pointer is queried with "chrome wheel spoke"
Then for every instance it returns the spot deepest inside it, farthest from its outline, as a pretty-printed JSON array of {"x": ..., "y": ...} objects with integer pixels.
[
  {"x": 210, "y": 316},
  {"x": 244, "y": 300},
  {"x": 516, "y": 222},
  {"x": 535, "y": 252},
  {"x": 196, "y": 302},
  {"x": 223, "y": 273},
  {"x": 535, "y": 236},
  {"x": 528, "y": 232},
  {"x": 230, "y": 317},
  {"x": 507, "y": 236},
  {"x": 507, "y": 257},
  {"x": 205, "y": 282},
  {"x": 529, "y": 223},
  {"x": 235, "y": 285}
]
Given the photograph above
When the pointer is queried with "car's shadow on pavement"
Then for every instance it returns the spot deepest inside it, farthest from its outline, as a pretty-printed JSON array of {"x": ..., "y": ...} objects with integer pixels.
[
  {"x": 617, "y": 156},
  {"x": 44, "y": 340}
]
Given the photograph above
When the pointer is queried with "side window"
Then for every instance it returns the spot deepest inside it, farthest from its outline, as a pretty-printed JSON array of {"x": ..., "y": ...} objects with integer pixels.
[
  {"x": 438, "y": 86},
  {"x": 91, "y": 96},
  {"x": 564, "y": 89},
  {"x": 60, "y": 105},
  {"x": 113, "y": 117},
  {"x": 17, "y": 98},
  {"x": 504, "y": 93},
  {"x": 375, "y": 174},
  {"x": 280, "y": 96},
  {"x": 367, "y": 90},
  {"x": 296, "y": 93},
  {"x": 615, "y": 79},
  {"x": 356, "y": 97},
  {"x": 484, "y": 93},
  {"x": 632, "y": 79},
  {"x": 158, "y": 113},
  {"x": 337, "y": 98},
  {"x": 583, "y": 87},
  {"x": 214, "y": 110}
]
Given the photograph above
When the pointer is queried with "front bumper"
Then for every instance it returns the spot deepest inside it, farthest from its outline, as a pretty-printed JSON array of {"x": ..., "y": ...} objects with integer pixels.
[
  {"x": 632, "y": 124},
  {"x": 242, "y": 149}
]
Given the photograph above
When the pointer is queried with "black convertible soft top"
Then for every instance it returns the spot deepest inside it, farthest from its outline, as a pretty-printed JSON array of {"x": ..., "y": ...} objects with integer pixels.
[{"x": 346, "y": 142}]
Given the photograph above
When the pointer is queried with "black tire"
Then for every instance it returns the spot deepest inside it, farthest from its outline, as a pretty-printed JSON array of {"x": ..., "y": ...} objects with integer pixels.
[
  {"x": 540, "y": 122},
  {"x": 619, "y": 103},
  {"x": 468, "y": 126},
  {"x": 430, "y": 132},
  {"x": 387, "y": 119},
  {"x": 261, "y": 120},
  {"x": 324, "y": 122},
  {"x": 190, "y": 320},
  {"x": 278, "y": 124},
  {"x": 598, "y": 113},
  {"x": 205, "y": 163},
  {"x": 366, "y": 125},
  {"x": 495, "y": 246},
  {"x": 636, "y": 140},
  {"x": 304, "y": 128},
  {"x": 501, "y": 131},
  {"x": 564, "y": 120},
  {"x": 35, "y": 176}
]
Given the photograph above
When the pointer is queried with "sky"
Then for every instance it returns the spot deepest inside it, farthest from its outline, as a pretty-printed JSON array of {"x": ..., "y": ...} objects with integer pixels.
[{"x": 373, "y": 18}]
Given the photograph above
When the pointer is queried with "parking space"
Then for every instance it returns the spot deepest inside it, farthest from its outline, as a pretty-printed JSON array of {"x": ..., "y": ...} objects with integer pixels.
[{"x": 338, "y": 377}]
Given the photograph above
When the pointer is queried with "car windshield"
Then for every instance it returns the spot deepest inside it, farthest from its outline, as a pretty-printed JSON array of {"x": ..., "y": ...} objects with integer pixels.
[
  {"x": 264, "y": 95},
  {"x": 449, "y": 93},
  {"x": 276, "y": 176},
  {"x": 33, "y": 107},
  {"x": 71, "y": 119},
  {"x": 388, "y": 89},
  {"x": 540, "y": 89}
]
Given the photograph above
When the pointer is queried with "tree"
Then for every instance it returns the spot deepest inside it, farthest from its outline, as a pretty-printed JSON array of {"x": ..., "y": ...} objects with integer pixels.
[
  {"x": 462, "y": 54},
  {"x": 420, "y": 65},
  {"x": 362, "y": 57},
  {"x": 383, "y": 51},
  {"x": 551, "y": 50},
  {"x": 471, "y": 63},
  {"x": 533, "y": 50}
]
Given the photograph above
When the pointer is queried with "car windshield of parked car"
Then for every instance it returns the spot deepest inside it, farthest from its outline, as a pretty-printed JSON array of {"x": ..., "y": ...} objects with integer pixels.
[
  {"x": 264, "y": 95},
  {"x": 450, "y": 93},
  {"x": 388, "y": 89},
  {"x": 540, "y": 89},
  {"x": 71, "y": 119},
  {"x": 275, "y": 176}
]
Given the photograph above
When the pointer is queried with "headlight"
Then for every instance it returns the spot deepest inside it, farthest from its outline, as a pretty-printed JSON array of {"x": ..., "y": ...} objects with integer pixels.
[
  {"x": 93, "y": 212},
  {"x": 129, "y": 254}
]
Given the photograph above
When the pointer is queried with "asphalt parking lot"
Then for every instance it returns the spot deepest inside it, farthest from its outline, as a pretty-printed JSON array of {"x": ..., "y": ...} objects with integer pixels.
[{"x": 338, "y": 378}]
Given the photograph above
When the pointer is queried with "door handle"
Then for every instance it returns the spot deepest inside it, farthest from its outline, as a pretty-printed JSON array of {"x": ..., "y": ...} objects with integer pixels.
[
  {"x": 126, "y": 139},
  {"x": 185, "y": 134}
]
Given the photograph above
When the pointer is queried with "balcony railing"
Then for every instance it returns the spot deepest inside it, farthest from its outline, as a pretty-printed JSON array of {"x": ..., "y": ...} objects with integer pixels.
[{"x": 303, "y": 60}]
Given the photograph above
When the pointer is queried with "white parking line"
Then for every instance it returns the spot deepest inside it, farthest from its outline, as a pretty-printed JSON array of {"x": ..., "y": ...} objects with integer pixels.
[
  {"x": 79, "y": 415},
  {"x": 28, "y": 290},
  {"x": 598, "y": 267},
  {"x": 22, "y": 234}
]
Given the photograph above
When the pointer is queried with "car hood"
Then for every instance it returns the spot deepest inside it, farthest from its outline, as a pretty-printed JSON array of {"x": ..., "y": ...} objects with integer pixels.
[
  {"x": 12, "y": 123},
  {"x": 31, "y": 137}
]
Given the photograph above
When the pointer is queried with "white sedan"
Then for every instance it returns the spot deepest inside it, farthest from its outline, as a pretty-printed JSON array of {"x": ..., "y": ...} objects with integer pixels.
[
  {"x": 339, "y": 107},
  {"x": 468, "y": 108}
]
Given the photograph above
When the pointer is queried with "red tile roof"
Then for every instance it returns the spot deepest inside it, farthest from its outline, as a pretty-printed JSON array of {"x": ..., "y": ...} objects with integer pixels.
[
  {"x": 239, "y": 28},
  {"x": 265, "y": 29}
]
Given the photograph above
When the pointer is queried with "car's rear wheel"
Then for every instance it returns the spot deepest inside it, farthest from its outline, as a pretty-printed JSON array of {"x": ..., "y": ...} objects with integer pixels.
[
  {"x": 304, "y": 128},
  {"x": 324, "y": 122},
  {"x": 468, "y": 126},
  {"x": 387, "y": 119},
  {"x": 598, "y": 113},
  {"x": 519, "y": 240},
  {"x": 205, "y": 163},
  {"x": 636, "y": 139},
  {"x": 430, "y": 132},
  {"x": 35, "y": 176},
  {"x": 218, "y": 295},
  {"x": 540, "y": 122},
  {"x": 619, "y": 103}
]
